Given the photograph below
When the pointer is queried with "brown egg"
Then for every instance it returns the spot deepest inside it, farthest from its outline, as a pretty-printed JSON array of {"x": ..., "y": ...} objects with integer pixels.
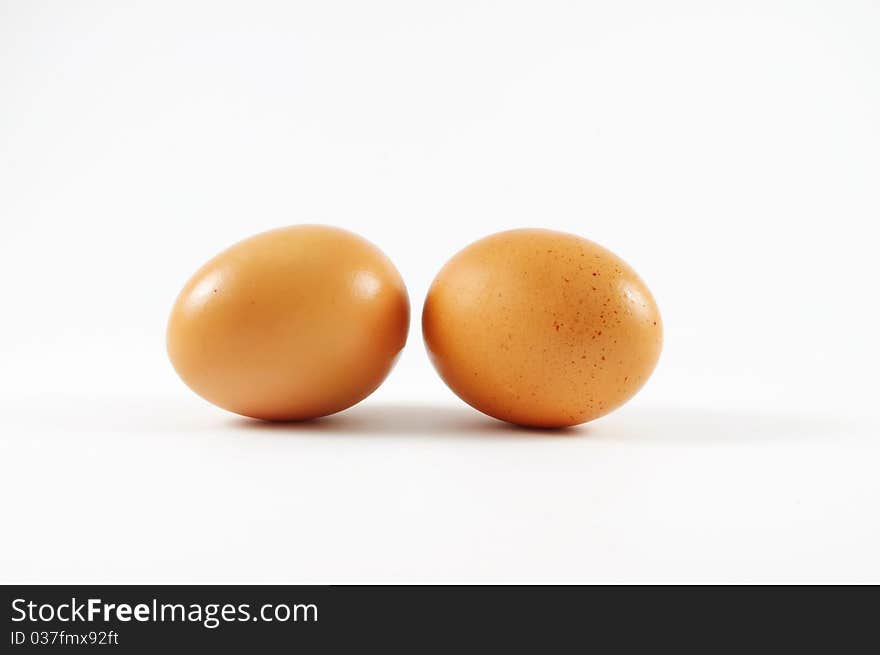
[
  {"x": 291, "y": 324},
  {"x": 541, "y": 328}
]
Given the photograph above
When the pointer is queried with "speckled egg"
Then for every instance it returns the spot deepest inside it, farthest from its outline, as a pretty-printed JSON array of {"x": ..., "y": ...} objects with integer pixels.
[{"x": 541, "y": 328}]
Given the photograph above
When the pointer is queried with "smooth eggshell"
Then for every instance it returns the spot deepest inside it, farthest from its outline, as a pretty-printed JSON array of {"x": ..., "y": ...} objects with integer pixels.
[
  {"x": 290, "y": 324},
  {"x": 541, "y": 328}
]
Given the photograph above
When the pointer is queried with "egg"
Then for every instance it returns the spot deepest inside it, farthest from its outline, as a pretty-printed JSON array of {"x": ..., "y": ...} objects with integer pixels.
[
  {"x": 291, "y": 324},
  {"x": 541, "y": 328}
]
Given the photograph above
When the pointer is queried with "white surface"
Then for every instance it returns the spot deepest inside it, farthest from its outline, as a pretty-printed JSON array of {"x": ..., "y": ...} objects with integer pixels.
[{"x": 727, "y": 150}]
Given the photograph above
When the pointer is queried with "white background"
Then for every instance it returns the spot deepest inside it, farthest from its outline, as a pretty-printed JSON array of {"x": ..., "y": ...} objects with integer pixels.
[{"x": 730, "y": 151}]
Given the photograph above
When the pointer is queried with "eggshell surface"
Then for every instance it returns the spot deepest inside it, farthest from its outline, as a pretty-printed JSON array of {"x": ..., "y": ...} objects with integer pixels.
[
  {"x": 291, "y": 324},
  {"x": 541, "y": 328}
]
